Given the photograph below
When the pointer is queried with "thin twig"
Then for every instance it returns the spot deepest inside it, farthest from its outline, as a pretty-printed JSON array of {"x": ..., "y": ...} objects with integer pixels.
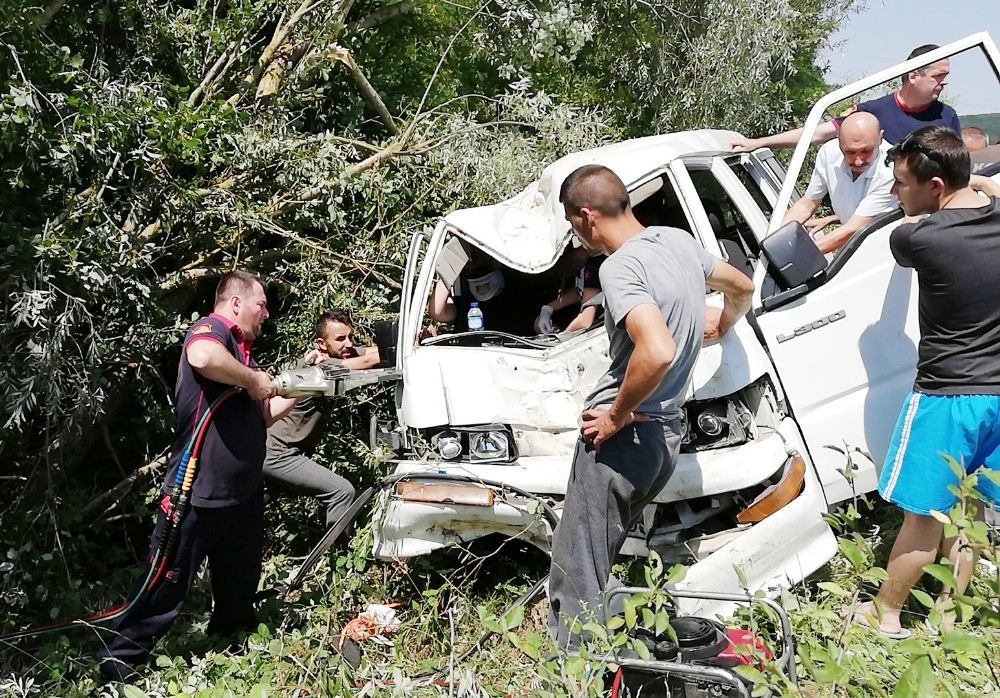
[
  {"x": 121, "y": 489},
  {"x": 382, "y": 15},
  {"x": 437, "y": 70}
]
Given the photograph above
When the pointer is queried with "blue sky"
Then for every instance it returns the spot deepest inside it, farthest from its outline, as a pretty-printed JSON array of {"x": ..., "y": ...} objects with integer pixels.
[{"x": 884, "y": 31}]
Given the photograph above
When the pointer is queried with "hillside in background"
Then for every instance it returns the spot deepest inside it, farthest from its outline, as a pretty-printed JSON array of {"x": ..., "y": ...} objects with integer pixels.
[{"x": 988, "y": 122}]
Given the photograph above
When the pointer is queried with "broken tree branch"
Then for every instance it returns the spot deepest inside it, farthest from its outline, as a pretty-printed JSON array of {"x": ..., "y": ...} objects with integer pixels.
[
  {"x": 183, "y": 278},
  {"x": 287, "y": 56},
  {"x": 343, "y": 259},
  {"x": 383, "y": 15},
  {"x": 116, "y": 493},
  {"x": 293, "y": 200},
  {"x": 371, "y": 96},
  {"x": 216, "y": 68},
  {"x": 281, "y": 34}
]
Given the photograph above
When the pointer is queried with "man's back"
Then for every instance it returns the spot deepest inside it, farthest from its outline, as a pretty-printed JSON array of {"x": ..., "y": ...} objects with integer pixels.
[
  {"x": 667, "y": 267},
  {"x": 956, "y": 254}
]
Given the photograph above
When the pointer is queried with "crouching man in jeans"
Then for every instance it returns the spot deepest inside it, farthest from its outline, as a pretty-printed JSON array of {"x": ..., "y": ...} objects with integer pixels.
[
  {"x": 286, "y": 465},
  {"x": 954, "y": 408},
  {"x": 654, "y": 298}
]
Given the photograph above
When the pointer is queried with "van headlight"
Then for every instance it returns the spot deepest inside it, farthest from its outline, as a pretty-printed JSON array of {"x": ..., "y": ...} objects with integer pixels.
[
  {"x": 447, "y": 444},
  {"x": 489, "y": 446},
  {"x": 724, "y": 421},
  {"x": 488, "y": 443}
]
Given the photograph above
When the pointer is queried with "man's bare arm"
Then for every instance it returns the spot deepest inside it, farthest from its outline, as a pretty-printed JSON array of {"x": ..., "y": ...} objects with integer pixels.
[
  {"x": 814, "y": 225},
  {"x": 441, "y": 306},
  {"x": 654, "y": 352},
  {"x": 985, "y": 185},
  {"x": 737, "y": 292},
  {"x": 585, "y": 318},
  {"x": 651, "y": 358},
  {"x": 214, "y": 361},
  {"x": 836, "y": 238},
  {"x": 802, "y": 210},
  {"x": 788, "y": 139},
  {"x": 367, "y": 357},
  {"x": 278, "y": 407}
]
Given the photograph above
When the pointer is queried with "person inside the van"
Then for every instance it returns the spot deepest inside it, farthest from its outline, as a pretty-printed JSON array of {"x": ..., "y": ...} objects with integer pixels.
[
  {"x": 851, "y": 171},
  {"x": 579, "y": 285},
  {"x": 500, "y": 292}
]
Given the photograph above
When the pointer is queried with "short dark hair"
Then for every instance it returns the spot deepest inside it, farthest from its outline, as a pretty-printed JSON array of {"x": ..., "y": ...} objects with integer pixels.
[
  {"x": 935, "y": 151},
  {"x": 341, "y": 316},
  {"x": 596, "y": 187},
  {"x": 234, "y": 283},
  {"x": 919, "y": 51}
]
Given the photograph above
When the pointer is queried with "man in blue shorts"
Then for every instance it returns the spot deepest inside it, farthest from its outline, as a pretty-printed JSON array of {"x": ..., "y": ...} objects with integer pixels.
[
  {"x": 954, "y": 408},
  {"x": 914, "y": 105}
]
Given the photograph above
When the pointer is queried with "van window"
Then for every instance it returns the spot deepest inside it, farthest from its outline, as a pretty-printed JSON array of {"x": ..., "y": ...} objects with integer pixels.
[
  {"x": 730, "y": 227},
  {"x": 661, "y": 207},
  {"x": 510, "y": 300},
  {"x": 751, "y": 184}
]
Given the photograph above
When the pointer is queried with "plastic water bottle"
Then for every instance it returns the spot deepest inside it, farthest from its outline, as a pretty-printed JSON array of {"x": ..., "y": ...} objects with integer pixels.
[{"x": 475, "y": 317}]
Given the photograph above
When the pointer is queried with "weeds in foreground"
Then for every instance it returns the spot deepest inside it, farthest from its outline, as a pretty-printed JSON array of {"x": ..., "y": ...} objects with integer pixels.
[{"x": 444, "y": 609}]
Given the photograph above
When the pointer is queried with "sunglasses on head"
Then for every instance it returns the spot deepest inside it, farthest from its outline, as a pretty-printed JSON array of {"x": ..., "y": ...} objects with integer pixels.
[{"x": 910, "y": 145}]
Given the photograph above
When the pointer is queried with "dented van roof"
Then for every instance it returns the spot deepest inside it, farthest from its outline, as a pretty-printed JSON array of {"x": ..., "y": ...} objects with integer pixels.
[{"x": 529, "y": 231}]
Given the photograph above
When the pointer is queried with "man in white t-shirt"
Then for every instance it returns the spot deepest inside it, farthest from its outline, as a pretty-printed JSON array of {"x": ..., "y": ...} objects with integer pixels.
[{"x": 853, "y": 173}]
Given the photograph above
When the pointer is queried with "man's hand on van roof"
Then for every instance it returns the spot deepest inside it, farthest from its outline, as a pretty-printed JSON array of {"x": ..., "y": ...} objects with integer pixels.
[{"x": 787, "y": 139}]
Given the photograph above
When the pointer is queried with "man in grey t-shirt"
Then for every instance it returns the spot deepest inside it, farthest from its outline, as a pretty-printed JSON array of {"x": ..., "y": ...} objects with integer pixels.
[{"x": 654, "y": 297}]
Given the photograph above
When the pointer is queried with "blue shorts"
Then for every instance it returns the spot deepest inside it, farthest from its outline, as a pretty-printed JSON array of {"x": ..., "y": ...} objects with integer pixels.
[{"x": 966, "y": 427}]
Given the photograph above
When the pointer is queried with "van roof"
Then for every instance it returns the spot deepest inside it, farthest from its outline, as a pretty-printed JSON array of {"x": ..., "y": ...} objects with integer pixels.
[{"x": 529, "y": 231}]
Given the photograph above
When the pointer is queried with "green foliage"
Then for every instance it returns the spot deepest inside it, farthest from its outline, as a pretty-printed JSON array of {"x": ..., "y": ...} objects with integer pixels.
[{"x": 141, "y": 154}]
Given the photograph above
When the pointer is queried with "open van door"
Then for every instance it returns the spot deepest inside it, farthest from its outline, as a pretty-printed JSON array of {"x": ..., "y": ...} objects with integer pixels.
[
  {"x": 846, "y": 354},
  {"x": 843, "y": 336}
]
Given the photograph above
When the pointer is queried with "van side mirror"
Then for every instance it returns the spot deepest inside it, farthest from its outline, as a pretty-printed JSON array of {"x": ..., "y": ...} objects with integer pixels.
[
  {"x": 792, "y": 256},
  {"x": 386, "y": 335}
]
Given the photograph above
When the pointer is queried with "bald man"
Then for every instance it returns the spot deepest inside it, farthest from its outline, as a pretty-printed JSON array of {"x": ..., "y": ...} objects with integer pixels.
[
  {"x": 852, "y": 172},
  {"x": 974, "y": 138}
]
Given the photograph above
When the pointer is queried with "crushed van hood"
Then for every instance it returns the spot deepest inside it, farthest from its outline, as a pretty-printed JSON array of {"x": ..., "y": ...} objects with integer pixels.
[
  {"x": 544, "y": 391},
  {"x": 529, "y": 231}
]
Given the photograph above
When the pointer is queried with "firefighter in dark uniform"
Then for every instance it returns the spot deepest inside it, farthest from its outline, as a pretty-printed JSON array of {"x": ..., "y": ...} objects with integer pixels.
[{"x": 225, "y": 522}]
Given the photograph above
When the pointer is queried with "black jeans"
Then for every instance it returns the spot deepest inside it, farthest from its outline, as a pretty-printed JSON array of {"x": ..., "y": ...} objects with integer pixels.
[
  {"x": 232, "y": 539},
  {"x": 605, "y": 496}
]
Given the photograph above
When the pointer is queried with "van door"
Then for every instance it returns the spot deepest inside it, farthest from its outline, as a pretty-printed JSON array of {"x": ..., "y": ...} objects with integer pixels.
[{"x": 846, "y": 355}]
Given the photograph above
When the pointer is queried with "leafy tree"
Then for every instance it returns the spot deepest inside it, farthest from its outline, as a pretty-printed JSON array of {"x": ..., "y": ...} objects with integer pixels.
[{"x": 146, "y": 146}]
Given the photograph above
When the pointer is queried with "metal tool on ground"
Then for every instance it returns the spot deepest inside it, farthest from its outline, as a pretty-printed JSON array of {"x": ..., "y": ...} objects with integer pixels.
[{"x": 701, "y": 661}]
